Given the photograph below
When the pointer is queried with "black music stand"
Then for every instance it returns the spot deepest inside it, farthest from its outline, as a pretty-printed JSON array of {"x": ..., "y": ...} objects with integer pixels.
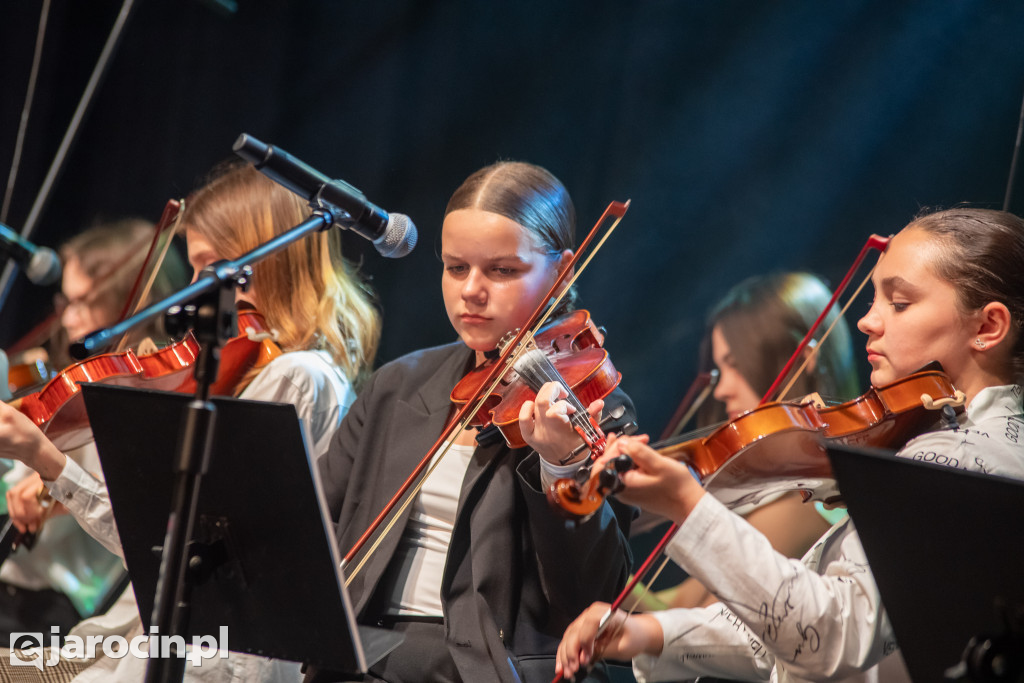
[
  {"x": 271, "y": 563},
  {"x": 945, "y": 549}
]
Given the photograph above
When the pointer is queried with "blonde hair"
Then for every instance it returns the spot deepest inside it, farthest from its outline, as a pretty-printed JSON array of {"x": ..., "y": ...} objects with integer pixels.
[{"x": 307, "y": 292}]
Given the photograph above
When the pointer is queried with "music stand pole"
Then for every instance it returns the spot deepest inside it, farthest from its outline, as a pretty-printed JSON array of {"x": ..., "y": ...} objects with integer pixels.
[{"x": 210, "y": 320}]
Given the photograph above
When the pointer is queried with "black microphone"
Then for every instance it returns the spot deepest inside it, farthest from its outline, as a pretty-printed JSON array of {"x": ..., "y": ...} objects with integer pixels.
[
  {"x": 40, "y": 264},
  {"x": 393, "y": 235}
]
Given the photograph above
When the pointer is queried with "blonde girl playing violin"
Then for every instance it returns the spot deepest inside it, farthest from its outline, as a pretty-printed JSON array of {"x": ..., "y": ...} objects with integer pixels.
[
  {"x": 324, "y": 322},
  {"x": 950, "y": 287},
  {"x": 479, "y": 575}
]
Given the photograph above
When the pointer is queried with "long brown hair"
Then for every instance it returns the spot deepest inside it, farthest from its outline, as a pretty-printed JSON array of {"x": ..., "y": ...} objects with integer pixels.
[
  {"x": 307, "y": 292},
  {"x": 764, "y": 318}
]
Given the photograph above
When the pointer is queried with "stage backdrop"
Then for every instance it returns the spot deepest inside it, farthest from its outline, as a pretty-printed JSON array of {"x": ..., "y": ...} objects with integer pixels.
[{"x": 749, "y": 136}]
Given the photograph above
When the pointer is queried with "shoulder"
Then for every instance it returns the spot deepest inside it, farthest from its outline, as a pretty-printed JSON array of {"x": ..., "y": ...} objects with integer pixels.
[
  {"x": 421, "y": 364},
  {"x": 989, "y": 440},
  {"x": 310, "y": 373}
]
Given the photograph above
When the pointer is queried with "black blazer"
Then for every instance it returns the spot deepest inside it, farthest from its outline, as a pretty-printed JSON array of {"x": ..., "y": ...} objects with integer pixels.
[{"x": 516, "y": 574}]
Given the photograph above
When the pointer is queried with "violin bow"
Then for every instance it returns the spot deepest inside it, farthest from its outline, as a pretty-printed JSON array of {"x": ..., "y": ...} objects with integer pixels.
[
  {"x": 1013, "y": 161},
  {"x": 168, "y": 223},
  {"x": 458, "y": 423},
  {"x": 46, "y": 329},
  {"x": 873, "y": 242}
]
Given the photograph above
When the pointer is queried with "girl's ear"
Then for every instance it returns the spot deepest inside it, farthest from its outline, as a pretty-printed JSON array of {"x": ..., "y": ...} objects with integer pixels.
[
  {"x": 994, "y": 324},
  {"x": 563, "y": 261}
]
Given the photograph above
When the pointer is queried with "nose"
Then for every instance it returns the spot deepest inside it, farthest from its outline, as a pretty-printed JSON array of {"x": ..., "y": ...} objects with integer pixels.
[
  {"x": 870, "y": 324},
  {"x": 723, "y": 389},
  {"x": 474, "y": 287},
  {"x": 70, "y": 319}
]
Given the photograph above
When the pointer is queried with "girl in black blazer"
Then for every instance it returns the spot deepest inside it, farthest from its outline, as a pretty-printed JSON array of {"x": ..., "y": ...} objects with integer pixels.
[{"x": 479, "y": 574}]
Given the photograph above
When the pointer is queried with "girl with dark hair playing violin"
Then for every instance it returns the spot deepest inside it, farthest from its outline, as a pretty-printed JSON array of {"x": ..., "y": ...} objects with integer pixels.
[
  {"x": 751, "y": 333},
  {"x": 324, "y": 323},
  {"x": 949, "y": 288},
  {"x": 479, "y": 575}
]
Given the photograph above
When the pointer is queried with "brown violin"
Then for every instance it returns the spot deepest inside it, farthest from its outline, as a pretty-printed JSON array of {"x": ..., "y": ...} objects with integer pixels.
[
  {"x": 568, "y": 351},
  {"x": 780, "y": 447},
  {"x": 58, "y": 410}
]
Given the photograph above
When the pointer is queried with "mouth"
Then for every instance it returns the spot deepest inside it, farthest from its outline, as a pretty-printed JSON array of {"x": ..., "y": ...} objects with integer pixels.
[
  {"x": 470, "y": 319},
  {"x": 874, "y": 354}
]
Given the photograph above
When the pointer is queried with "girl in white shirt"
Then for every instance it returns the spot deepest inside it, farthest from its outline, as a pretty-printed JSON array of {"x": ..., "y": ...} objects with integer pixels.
[{"x": 950, "y": 287}]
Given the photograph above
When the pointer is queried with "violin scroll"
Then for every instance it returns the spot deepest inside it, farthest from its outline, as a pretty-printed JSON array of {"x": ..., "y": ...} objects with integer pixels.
[{"x": 580, "y": 497}]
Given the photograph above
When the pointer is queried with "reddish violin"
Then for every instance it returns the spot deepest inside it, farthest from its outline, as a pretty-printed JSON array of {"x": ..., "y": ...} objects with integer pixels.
[
  {"x": 58, "y": 410},
  {"x": 568, "y": 351},
  {"x": 780, "y": 447}
]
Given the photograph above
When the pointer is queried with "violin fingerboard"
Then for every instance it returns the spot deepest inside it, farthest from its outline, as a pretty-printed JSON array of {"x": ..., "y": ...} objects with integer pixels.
[{"x": 536, "y": 369}]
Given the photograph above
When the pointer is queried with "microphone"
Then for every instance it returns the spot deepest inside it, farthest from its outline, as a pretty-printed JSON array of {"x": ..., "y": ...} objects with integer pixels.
[
  {"x": 393, "y": 235},
  {"x": 40, "y": 264}
]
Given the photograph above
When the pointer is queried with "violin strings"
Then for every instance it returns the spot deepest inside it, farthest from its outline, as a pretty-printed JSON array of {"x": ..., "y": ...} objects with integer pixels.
[{"x": 536, "y": 369}]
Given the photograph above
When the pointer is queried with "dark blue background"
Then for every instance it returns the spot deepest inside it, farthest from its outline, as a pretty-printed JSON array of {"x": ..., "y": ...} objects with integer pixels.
[{"x": 750, "y": 136}]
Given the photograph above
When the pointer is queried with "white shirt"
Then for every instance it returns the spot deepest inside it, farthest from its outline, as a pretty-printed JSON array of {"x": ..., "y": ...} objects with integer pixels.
[
  {"x": 64, "y": 558},
  {"x": 415, "y": 573},
  {"x": 321, "y": 394},
  {"x": 822, "y": 617},
  {"x": 414, "y": 576}
]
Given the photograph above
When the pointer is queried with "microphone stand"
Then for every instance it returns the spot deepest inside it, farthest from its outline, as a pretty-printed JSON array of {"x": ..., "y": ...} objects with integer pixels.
[
  {"x": 84, "y": 104},
  {"x": 204, "y": 305}
]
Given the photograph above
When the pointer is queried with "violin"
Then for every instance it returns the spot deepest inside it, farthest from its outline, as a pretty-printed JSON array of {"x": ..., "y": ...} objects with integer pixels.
[
  {"x": 569, "y": 351},
  {"x": 780, "y": 447},
  {"x": 59, "y": 411}
]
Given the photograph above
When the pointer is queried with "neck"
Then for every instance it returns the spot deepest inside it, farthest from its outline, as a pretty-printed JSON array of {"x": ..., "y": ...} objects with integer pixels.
[
  {"x": 972, "y": 387},
  {"x": 984, "y": 370}
]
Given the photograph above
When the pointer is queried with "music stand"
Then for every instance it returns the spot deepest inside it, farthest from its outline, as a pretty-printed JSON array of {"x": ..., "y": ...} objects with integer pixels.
[
  {"x": 272, "y": 567},
  {"x": 944, "y": 547}
]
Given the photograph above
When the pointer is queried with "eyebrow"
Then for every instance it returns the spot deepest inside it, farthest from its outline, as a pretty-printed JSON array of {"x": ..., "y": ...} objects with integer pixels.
[
  {"x": 490, "y": 259},
  {"x": 895, "y": 282}
]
